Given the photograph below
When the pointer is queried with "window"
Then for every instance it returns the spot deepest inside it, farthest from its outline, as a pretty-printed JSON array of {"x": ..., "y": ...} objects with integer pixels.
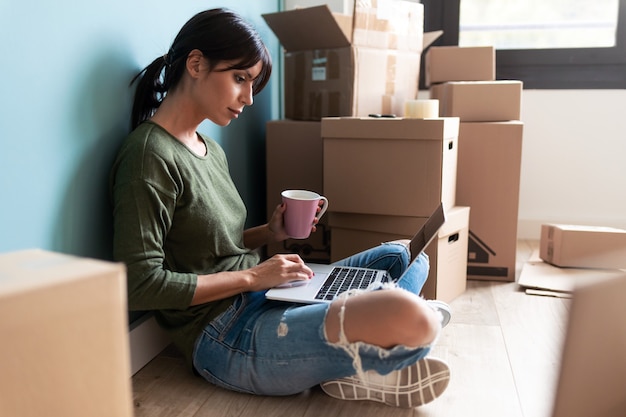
[
  {"x": 538, "y": 24},
  {"x": 545, "y": 43}
]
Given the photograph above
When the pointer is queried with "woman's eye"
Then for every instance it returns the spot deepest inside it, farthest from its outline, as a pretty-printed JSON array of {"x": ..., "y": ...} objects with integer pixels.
[{"x": 239, "y": 79}]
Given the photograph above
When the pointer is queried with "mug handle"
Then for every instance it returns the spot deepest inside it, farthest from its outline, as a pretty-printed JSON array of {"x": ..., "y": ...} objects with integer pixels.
[{"x": 324, "y": 207}]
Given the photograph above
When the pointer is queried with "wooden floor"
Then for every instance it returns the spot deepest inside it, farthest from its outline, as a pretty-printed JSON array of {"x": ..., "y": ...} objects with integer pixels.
[{"x": 503, "y": 348}]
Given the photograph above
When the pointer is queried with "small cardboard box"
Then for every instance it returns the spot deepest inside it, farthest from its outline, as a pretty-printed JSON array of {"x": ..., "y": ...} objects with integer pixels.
[
  {"x": 455, "y": 63},
  {"x": 343, "y": 65},
  {"x": 581, "y": 246},
  {"x": 398, "y": 167},
  {"x": 447, "y": 279},
  {"x": 294, "y": 156},
  {"x": 479, "y": 101},
  {"x": 488, "y": 180},
  {"x": 65, "y": 347}
]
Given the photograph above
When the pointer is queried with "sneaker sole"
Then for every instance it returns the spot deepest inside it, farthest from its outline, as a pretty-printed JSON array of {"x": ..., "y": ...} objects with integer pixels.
[{"x": 410, "y": 387}]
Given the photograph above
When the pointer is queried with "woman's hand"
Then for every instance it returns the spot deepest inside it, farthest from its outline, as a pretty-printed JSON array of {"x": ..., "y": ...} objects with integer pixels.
[
  {"x": 278, "y": 270},
  {"x": 276, "y": 224},
  {"x": 273, "y": 231}
]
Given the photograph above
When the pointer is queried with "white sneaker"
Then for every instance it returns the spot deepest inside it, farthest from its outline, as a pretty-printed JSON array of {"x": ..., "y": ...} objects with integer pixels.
[
  {"x": 410, "y": 387},
  {"x": 443, "y": 308}
]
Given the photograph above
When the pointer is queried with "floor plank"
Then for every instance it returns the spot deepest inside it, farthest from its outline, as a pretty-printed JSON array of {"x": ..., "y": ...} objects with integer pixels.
[
  {"x": 481, "y": 382},
  {"x": 533, "y": 328},
  {"x": 165, "y": 388}
]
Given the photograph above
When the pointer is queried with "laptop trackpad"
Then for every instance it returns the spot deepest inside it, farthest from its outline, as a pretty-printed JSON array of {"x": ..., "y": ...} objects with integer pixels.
[{"x": 294, "y": 283}]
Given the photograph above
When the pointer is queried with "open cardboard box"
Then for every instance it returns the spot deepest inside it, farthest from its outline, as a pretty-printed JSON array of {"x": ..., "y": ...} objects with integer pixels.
[{"x": 351, "y": 65}]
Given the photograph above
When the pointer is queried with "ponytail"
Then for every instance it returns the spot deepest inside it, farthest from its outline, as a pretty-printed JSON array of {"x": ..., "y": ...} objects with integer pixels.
[{"x": 150, "y": 91}]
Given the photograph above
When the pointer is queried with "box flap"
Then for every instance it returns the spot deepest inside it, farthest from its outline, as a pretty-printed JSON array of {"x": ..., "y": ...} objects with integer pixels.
[
  {"x": 310, "y": 28},
  {"x": 431, "y": 37},
  {"x": 541, "y": 275}
]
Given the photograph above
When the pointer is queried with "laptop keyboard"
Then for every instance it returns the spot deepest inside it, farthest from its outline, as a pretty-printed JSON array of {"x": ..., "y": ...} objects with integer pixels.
[{"x": 342, "y": 279}]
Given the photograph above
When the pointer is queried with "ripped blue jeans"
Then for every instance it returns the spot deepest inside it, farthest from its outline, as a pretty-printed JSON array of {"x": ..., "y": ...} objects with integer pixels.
[{"x": 266, "y": 347}]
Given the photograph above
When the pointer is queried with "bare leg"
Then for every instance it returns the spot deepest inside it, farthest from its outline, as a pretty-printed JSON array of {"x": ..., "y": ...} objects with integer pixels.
[{"x": 385, "y": 318}]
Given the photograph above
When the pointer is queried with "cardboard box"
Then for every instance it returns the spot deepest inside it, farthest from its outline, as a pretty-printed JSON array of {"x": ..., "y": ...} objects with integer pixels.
[
  {"x": 398, "y": 167},
  {"x": 294, "y": 156},
  {"x": 447, "y": 279},
  {"x": 488, "y": 180},
  {"x": 479, "y": 101},
  {"x": 64, "y": 349},
  {"x": 581, "y": 246},
  {"x": 455, "y": 63},
  {"x": 340, "y": 65}
]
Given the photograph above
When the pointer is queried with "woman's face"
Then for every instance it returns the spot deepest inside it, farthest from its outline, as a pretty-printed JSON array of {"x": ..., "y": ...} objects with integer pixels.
[{"x": 223, "y": 93}]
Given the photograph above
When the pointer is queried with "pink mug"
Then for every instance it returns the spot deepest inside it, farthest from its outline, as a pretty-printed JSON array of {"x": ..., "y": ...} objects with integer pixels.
[{"x": 301, "y": 211}]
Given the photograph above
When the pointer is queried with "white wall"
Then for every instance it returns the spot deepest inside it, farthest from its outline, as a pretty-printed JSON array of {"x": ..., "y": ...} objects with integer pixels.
[{"x": 574, "y": 159}]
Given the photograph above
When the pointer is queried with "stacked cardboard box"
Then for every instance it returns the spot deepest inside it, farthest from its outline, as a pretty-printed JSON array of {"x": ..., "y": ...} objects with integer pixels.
[
  {"x": 339, "y": 69},
  {"x": 363, "y": 61},
  {"x": 489, "y": 156},
  {"x": 384, "y": 178}
]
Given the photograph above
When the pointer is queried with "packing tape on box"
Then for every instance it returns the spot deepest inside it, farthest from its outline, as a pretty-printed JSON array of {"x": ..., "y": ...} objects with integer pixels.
[{"x": 421, "y": 109}]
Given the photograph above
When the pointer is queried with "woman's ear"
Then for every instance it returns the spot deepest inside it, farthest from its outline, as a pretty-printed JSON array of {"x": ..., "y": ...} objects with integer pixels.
[{"x": 194, "y": 62}]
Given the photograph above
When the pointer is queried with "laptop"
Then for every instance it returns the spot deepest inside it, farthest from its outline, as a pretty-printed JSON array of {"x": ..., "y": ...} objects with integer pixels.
[
  {"x": 592, "y": 378},
  {"x": 329, "y": 281}
]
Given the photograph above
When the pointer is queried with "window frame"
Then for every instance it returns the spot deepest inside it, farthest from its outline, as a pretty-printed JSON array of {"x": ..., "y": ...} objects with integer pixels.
[{"x": 575, "y": 68}]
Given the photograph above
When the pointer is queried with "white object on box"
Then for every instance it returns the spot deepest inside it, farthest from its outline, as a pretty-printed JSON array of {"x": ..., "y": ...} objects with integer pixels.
[{"x": 421, "y": 109}]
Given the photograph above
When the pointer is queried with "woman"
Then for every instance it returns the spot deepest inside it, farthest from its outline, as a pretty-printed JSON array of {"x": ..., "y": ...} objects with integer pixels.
[{"x": 179, "y": 228}]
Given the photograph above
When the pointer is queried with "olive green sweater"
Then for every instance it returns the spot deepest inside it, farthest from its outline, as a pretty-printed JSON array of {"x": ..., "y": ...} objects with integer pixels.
[{"x": 176, "y": 215}]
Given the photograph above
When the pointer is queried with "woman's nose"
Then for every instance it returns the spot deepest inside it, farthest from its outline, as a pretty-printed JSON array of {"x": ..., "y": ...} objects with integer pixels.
[{"x": 247, "y": 95}]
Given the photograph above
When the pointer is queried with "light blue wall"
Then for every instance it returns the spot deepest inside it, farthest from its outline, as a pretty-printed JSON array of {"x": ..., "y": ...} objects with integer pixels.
[{"x": 65, "y": 66}]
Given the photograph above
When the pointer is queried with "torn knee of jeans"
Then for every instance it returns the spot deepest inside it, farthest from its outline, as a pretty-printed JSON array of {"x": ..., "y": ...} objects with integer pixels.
[{"x": 353, "y": 349}]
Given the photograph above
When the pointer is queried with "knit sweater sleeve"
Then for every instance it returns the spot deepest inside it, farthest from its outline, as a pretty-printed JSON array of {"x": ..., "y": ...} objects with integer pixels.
[{"x": 144, "y": 195}]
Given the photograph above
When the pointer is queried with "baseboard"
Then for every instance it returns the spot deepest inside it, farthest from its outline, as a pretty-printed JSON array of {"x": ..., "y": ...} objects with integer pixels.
[{"x": 147, "y": 340}]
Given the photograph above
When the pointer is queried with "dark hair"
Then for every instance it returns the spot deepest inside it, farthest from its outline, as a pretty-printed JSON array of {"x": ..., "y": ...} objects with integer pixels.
[{"x": 221, "y": 35}]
